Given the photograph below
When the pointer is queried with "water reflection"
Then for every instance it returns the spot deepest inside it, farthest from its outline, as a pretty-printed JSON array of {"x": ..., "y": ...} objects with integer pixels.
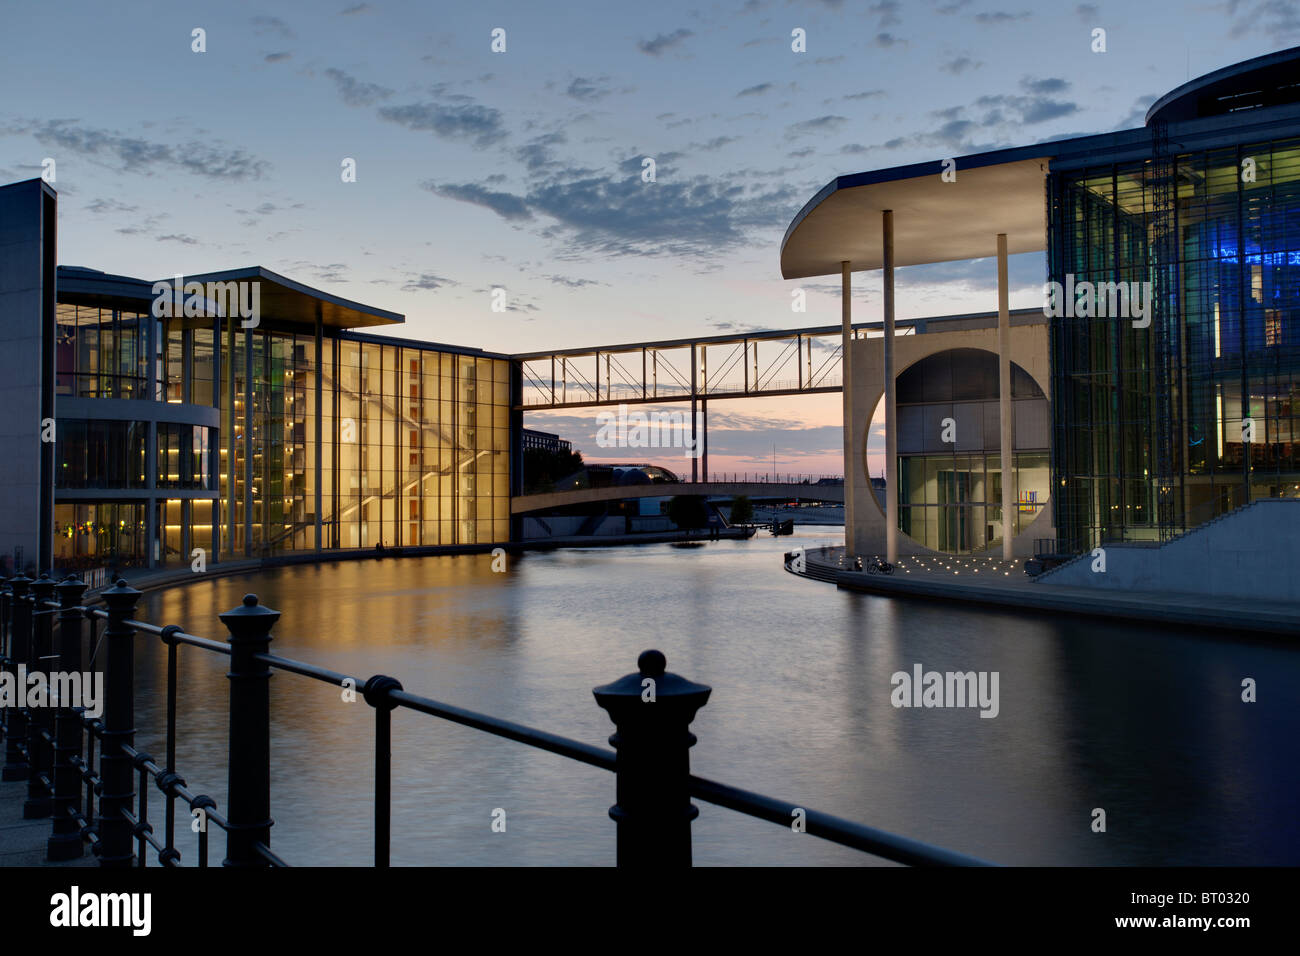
[{"x": 1146, "y": 723}]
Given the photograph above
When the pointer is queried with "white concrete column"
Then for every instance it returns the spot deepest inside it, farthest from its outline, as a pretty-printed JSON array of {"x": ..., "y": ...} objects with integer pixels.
[
  {"x": 850, "y": 464},
  {"x": 891, "y": 398},
  {"x": 1004, "y": 403}
]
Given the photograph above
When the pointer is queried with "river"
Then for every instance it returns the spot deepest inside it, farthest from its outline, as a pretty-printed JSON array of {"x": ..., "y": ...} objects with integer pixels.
[{"x": 1145, "y": 723}]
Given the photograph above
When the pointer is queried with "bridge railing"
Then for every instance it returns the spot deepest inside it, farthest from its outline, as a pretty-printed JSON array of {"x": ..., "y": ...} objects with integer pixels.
[
  {"x": 767, "y": 478},
  {"x": 53, "y": 748}
]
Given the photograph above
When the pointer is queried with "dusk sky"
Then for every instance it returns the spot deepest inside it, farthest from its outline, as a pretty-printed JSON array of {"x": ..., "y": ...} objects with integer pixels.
[{"x": 522, "y": 169}]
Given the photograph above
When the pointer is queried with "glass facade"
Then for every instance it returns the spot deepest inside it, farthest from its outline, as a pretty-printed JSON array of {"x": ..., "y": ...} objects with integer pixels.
[
  {"x": 385, "y": 442},
  {"x": 1159, "y": 429},
  {"x": 949, "y": 461},
  {"x": 103, "y": 534},
  {"x": 101, "y": 352},
  {"x": 414, "y": 447}
]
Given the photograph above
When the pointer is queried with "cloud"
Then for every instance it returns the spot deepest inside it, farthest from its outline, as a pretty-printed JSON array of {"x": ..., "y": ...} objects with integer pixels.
[
  {"x": 572, "y": 283},
  {"x": 886, "y": 40},
  {"x": 1000, "y": 17},
  {"x": 355, "y": 92},
  {"x": 588, "y": 89},
  {"x": 716, "y": 143},
  {"x": 358, "y": 8},
  {"x": 271, "y": 25},
  {"x": 887, "y": 10},
  {"x": 179, "y": 237},
  {"x": 619, "y": 214},
  {"x": 1279, "y": 20},
  {"x": 538, "y": 154},
  {"x": 948, "y": 9},
  {"x": 427, "y": 282},
  {"x": 1000, "y": 118},
  {"x": 135, "y": 155},
  {"x": 1137, "y": 116},
  {"x": 332, "y": 272},
  {"x": 1087, "y": 11},
  {"x": 664, "y": 42},
  {"x": 755, "y": 90},
  {"x": 821, "y": 124},
  {"x": 505, "y": 205},
  {"x": 1053, "y": 84},
  {"x": 109, "y": 205},
  {"x": 864, "y": 95},
  {"x": 480, "y": 125},
  {"x": 960, "y": 65},
  {"x": 278, "y": 57}
]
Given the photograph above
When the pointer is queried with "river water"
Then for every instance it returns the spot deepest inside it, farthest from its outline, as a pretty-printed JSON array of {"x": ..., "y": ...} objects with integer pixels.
[{"x": 1144, "y": 723}]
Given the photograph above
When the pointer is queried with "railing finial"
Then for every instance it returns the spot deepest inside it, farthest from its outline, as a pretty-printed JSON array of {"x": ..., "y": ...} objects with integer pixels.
[{"x": 653, "y": 710}]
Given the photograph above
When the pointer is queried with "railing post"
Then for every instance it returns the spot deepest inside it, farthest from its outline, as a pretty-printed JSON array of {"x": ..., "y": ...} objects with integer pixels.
[
  {"x": 65, "y": 841},
  {"x": 40, "y": 718},
  {"x": 116, "y": 769},
  {"x": 20, "y": 636},
  {"x": 376, "y": 693},
  {"x": 249, "y": 792},
  {"x": 652, "y": 711}
]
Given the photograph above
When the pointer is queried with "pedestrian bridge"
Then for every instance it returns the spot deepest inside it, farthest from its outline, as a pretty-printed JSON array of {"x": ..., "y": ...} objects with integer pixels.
[{"x": 729, "y": 489}]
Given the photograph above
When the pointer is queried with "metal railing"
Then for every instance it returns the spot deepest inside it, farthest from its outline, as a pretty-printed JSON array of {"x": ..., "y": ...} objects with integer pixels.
[
  {"x": 106, "y": 806},
  {"x": 768, "y": 478}
]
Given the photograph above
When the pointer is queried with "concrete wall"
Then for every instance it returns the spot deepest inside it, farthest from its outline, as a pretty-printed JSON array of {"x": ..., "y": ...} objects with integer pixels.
[
  {"x": 1249, "y": 554},
  {"x": 1029, "y": 350},
  {"x": 23, "y": 263}
]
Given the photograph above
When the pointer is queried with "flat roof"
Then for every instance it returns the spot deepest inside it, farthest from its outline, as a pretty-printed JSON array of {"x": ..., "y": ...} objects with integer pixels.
[
  {"x": 289, "y": 301},
  {"x": 934, "y": 220},
  {"x": 281, "y": 299}
]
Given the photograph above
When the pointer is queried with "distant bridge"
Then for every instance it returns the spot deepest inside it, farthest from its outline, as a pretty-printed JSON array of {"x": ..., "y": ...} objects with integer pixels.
[{"x": 729, "y": 489}]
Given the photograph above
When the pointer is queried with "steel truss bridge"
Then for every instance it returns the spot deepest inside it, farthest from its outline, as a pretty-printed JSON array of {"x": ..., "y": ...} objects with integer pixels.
[
  {"x": 738, "y": 365},
  {"x": 789, "y": 362}
]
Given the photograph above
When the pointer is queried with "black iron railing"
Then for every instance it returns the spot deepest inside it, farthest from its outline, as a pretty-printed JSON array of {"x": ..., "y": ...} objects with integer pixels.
[{"x": 106, "y": 806}]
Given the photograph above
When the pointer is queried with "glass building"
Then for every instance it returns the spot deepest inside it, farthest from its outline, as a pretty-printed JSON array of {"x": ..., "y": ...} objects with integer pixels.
[
  {"x": 1172, "y": 360},
  {"x": 299, "y": 433},
  {"x": 949, "y": 461},
  {"x": 1158, "y": 429}
]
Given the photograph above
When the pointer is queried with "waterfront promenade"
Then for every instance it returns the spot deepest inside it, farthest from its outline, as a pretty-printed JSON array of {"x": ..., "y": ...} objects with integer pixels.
[
  {"x": 997, "y": 583},
  {"x": 22, "y": 842}
]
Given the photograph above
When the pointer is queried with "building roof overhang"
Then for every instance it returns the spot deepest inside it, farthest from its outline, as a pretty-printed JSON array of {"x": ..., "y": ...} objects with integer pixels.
[
  {"x": 934, "y": 220},
  {"x": 281, "y": 300},
  {"x": 292, "y": 302}
]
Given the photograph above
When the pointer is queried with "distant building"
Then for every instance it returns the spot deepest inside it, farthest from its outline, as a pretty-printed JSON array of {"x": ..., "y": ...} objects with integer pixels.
[{"x": 545, "y": 441}]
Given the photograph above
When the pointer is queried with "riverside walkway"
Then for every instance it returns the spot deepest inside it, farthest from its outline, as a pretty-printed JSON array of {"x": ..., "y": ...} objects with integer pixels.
[
  {"x": 23, "y": 842},
  {"x": 990, "y": 581}
]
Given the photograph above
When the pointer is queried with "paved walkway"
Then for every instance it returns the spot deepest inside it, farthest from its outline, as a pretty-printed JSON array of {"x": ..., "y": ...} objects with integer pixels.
[
  {"x": 22, "y": 842},
  {"x": 991, "y": 581}
]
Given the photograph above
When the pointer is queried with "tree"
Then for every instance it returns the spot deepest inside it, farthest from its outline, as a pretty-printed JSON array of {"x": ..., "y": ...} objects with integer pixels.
[
  {"x": 542, "y": 468},
  {"x": 688, "y": 512},
  {"x": 742, "y": 512}
]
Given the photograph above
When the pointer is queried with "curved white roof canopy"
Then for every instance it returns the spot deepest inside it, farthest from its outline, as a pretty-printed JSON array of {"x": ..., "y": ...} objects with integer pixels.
[{"x": 934, "y": 220}]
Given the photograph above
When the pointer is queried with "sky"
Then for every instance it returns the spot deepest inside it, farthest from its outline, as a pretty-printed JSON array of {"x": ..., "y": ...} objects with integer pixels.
[{"x": 520, "y": 167}]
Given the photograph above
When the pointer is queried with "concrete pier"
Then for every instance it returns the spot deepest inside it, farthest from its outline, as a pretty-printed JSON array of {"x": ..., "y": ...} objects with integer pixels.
[{"x": 1004, "y": 584}]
